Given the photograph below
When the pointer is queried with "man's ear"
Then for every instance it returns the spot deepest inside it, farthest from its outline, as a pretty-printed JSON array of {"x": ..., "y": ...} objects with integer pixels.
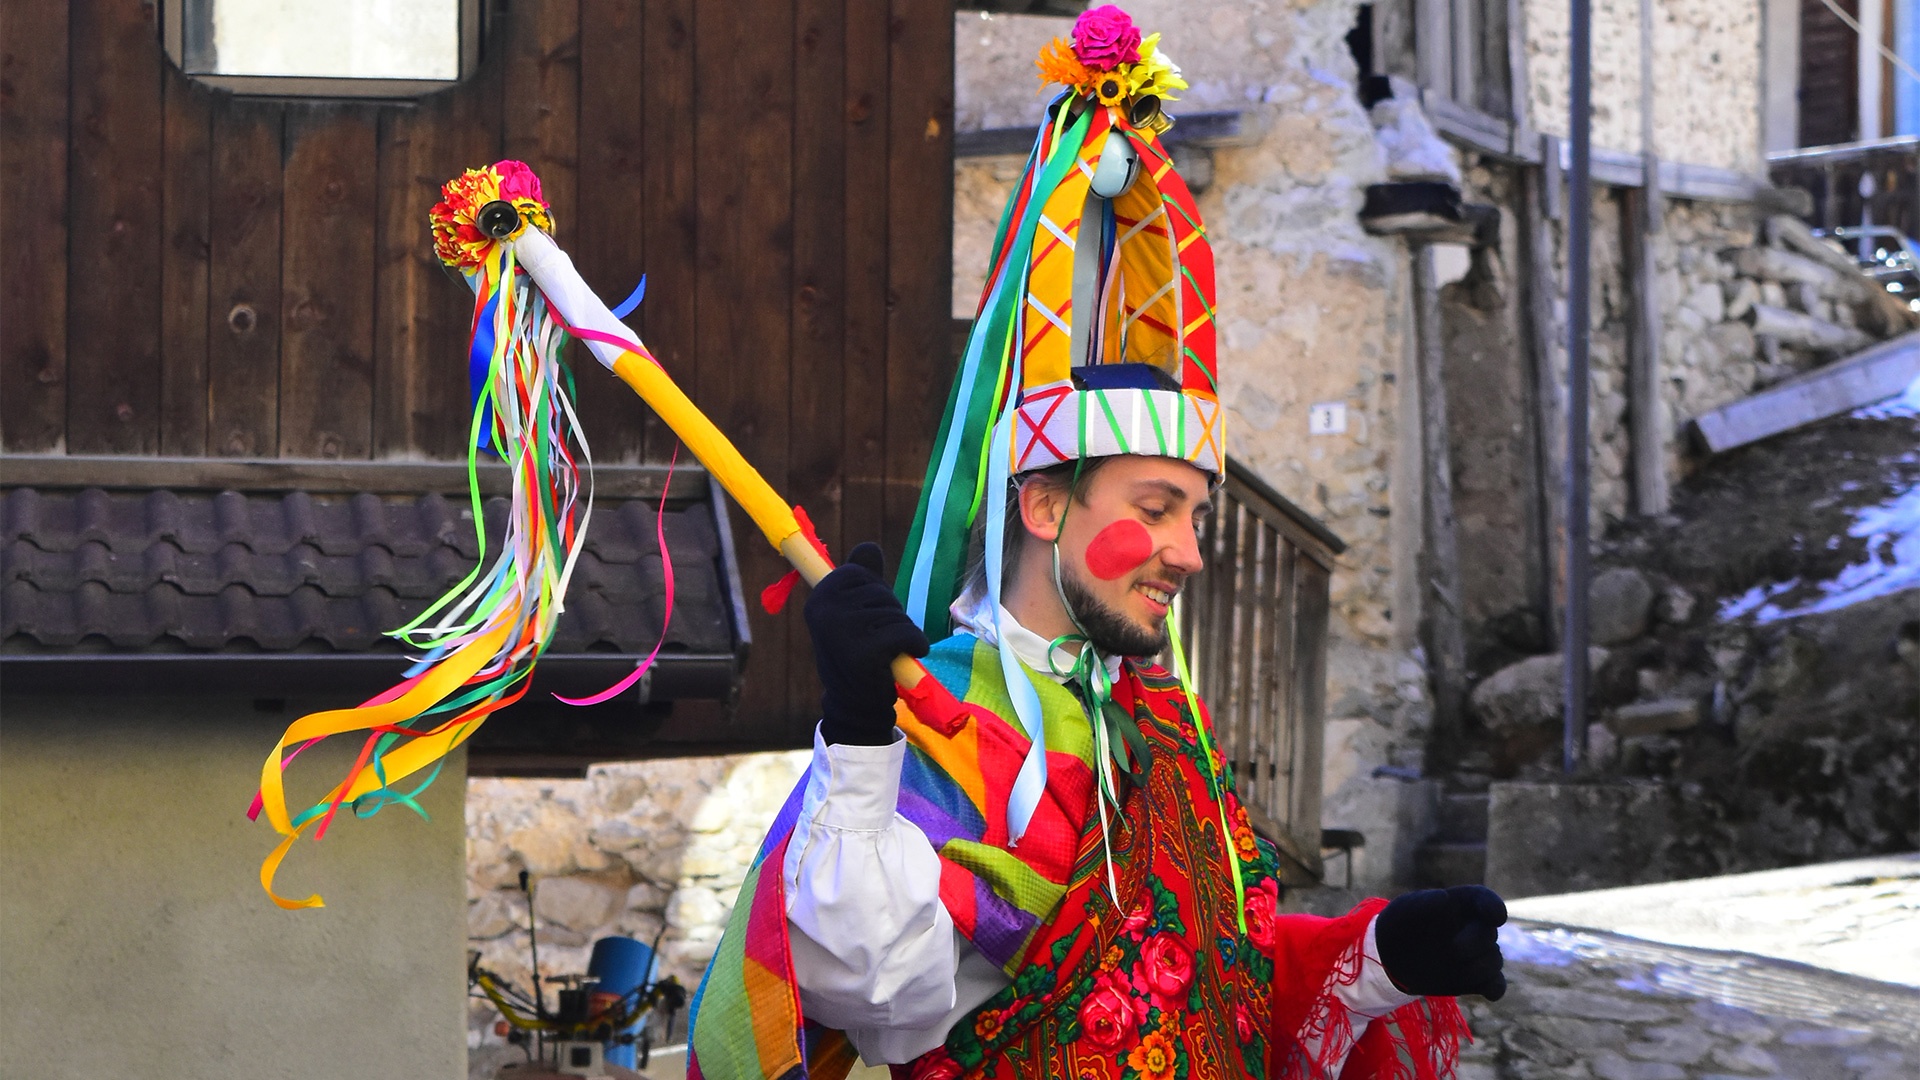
[{"x": 1040, "y": 511}]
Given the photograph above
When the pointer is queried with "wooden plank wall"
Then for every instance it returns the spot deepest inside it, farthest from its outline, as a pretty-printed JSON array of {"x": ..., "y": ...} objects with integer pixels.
[
  {"x": 195, "y": 274},
  {"x": 1829, "y": 74}
]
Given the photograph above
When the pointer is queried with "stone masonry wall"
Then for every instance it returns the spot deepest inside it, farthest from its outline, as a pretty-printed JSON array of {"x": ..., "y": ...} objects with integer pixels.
[
  {"x": 1708, "y": 355},
  {"x": 1719, "y": 268},
  {"x": 1716, "y": 266},
  {"x": 631, "y": 849},
  {"x": 1311, "y": 309},
  {"x": 1706, "y": 77}
]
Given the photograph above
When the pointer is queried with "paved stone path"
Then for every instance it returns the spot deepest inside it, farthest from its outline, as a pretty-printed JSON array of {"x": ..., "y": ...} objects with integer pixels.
[
  {"x": 1587, "y": 1002},
  {"x": 1861, "y": 916}
]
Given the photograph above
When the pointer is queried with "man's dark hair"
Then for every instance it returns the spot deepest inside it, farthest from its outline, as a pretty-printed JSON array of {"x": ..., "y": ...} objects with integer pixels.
[{"x": 1069, "y": 476}]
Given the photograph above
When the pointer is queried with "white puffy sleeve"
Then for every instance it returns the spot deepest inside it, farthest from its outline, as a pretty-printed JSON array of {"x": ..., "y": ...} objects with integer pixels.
[{"x": 873, "y": 946}]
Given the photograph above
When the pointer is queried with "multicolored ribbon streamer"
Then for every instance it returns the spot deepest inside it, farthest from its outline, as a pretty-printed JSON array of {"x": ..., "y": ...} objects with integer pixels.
[
  {"x": 493, "y": 626},
  {"x": 666, "y": 575},
  {"x": 479, "y": 642}
]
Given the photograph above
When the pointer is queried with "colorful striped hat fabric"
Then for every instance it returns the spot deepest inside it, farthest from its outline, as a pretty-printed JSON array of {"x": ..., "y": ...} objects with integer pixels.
[{"x": 1095, "y": 330}]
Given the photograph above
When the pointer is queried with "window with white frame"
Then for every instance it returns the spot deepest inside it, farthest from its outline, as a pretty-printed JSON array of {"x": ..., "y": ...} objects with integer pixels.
[{"x": 324, "y": 48}]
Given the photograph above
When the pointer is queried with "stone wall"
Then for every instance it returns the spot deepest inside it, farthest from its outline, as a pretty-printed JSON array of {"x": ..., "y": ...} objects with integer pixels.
[
  {"x": 1744, "y": 302},
  {"x": 1610, "y": 310},
  {"x": 1720, "y": 268},
  {"x": 1708, "y": 354},
  {"x": 630, "y": 850},
  {"x": 1707, "y": 81}
]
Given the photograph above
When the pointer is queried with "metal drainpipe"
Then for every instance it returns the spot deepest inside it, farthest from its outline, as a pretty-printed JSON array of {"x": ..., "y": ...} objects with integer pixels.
[{"x": 1579, "y": 318}]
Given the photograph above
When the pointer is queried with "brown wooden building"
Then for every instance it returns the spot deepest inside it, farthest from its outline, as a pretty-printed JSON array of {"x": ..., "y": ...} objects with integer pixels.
[{"x": 195, "y": 275}]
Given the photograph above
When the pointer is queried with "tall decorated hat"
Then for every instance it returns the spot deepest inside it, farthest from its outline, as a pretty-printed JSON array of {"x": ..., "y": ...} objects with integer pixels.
[
  {"x": 1094, "y": 334},
  {"x": 1094, "y": 337}
]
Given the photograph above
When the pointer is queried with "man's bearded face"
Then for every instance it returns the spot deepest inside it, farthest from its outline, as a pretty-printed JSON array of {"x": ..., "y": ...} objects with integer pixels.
[{"x": 1129, "y": 548}]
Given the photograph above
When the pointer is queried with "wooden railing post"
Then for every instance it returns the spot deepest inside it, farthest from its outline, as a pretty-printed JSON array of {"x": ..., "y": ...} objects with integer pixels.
[{"x": 1256, "y": 633}]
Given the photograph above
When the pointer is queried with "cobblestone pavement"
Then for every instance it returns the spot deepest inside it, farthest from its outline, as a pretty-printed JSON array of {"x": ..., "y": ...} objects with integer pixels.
[
  {"x": 1589, "y": 1004},
  {"x": 1810, "y": 972}
]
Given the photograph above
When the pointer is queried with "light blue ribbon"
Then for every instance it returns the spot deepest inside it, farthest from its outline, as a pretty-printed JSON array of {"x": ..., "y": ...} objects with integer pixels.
[{"x": 1031, "y": 782}]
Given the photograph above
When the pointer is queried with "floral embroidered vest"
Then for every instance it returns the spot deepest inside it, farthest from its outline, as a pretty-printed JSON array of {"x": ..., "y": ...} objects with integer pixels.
[{"x": 1168, "y": 987}]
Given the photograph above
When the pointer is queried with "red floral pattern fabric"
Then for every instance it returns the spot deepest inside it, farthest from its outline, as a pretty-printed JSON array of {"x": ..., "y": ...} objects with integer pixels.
[{"x": 1166, "y": 987}]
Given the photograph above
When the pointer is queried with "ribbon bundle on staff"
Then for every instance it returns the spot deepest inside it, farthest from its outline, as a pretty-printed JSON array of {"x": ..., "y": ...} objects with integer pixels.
[
  {"x": 479, "y": 642},
  {"x": 482, "y": 639}
]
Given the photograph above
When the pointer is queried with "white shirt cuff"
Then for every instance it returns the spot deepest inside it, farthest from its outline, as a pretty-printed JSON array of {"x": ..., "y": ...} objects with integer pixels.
[
  {"x": 854, "y": 787},
  {"x": 1373, "y": 994}
]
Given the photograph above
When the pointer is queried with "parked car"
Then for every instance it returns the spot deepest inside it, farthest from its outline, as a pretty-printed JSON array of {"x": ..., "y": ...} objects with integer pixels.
[{"x": 1888, "y": 255}]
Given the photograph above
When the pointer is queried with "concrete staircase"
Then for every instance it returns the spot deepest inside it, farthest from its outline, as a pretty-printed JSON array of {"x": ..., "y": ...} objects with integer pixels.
[{"x": 1456, "y": 853}]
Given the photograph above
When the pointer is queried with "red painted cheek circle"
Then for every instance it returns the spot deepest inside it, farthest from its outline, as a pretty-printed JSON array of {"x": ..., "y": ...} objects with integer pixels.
[{"x": 1118, "y": 549}]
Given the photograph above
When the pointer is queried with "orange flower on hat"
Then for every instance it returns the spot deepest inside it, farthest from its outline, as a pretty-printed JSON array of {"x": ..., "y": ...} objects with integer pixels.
[{"x": 1058, "y": 64}]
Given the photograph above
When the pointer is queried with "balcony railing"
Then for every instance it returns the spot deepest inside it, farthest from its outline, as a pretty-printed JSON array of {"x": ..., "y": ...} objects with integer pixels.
[
  {"x": 1255, "y": 626},
  {"x": 1872, "y": 182}
]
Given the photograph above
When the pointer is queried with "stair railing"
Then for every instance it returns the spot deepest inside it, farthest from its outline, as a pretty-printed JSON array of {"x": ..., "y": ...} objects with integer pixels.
[{"x": 1255, "y": 626}]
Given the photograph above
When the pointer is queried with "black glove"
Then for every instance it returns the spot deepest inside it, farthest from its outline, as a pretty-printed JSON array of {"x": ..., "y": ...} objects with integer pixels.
[
  {"x": 858, "y": 627},
  {"x": 1444, "y": 942}
]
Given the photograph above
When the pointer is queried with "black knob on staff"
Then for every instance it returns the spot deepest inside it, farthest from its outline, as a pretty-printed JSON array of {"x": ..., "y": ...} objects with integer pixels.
[{"x": 498, "y": 219}]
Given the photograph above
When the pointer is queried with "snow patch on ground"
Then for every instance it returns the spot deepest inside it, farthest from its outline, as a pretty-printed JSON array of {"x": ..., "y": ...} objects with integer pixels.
[
  {"x": 1891, "y": 530},
  {"x": 1757, "y": 602},
  {"x": 1905, "y": 405}
]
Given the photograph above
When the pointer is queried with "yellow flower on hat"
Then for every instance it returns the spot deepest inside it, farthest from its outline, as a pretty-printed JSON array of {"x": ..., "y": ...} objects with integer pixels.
[{"x": 1157, "y": 74}]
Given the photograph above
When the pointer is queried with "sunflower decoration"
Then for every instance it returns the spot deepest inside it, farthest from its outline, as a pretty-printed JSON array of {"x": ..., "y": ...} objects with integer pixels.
[
  {"x": 1107, "y": 59},
  {"x": 461, "y": 237}
]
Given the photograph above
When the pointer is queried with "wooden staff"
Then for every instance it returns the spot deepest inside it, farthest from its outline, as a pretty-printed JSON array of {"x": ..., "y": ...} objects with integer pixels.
[{"x": 619, "y": 349}]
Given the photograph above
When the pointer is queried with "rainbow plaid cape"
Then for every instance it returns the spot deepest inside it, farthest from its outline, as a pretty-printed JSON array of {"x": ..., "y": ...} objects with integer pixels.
[{"x": 961, "y": 759}]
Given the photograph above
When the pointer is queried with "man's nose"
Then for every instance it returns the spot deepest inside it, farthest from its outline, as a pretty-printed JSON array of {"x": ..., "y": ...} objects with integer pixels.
[{"x": 1182, "y": 552}]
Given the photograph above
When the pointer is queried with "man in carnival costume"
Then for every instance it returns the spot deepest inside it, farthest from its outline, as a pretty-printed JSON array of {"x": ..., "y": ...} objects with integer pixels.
[{"x": 1032, "y": 864}]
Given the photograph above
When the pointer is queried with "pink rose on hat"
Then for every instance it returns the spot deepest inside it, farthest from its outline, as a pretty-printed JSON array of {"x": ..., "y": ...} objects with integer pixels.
[{"x": 1105, "y": 37}]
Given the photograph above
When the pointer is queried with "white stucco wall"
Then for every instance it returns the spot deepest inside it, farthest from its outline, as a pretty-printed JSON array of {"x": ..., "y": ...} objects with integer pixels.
[
  {"x": 138, "y": 943},
  {"x": 1706, "y": 77}
]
